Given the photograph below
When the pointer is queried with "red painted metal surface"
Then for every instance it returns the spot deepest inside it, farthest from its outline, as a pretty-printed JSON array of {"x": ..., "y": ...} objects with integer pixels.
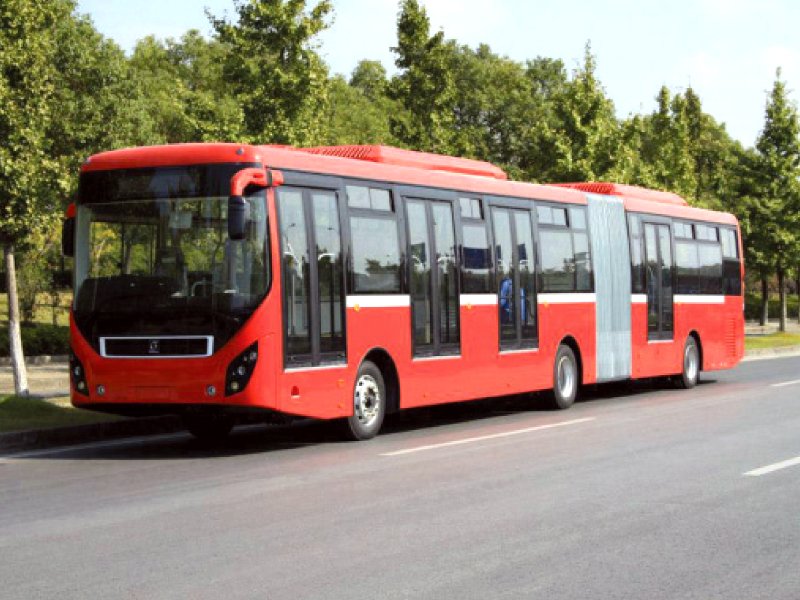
[{"x": 411, "y": 158}]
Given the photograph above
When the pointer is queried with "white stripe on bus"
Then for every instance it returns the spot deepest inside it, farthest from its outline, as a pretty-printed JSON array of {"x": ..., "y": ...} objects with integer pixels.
[
  {"x": 698, "y": 299},
  {"x": 577, "y": 298},
  {"x": 638, "y": 298},
  {"x": 379, "y": 301},
  {"x": 479, "y": 299}
]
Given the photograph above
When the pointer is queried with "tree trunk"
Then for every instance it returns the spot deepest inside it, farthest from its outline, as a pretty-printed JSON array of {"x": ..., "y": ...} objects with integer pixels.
[
  {"x": 782, "y": 295},
  {"x": 797, "y": 290},
  {"x": 764, "y": 301},
  {"x": 14, "y": 332}
]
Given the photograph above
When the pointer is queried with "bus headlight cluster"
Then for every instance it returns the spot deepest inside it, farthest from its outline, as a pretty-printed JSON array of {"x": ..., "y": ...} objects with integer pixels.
[
  {"x": 77, "y": 375},
  {"x": 240, "y": 370}
]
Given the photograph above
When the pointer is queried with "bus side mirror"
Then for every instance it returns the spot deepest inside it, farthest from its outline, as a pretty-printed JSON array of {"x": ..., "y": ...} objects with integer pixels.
[
  {"x": 68, "y": 233},
  {"x": 237, "y": 207}
]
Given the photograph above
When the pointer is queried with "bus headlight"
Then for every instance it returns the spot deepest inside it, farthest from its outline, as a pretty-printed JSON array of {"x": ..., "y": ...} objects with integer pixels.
[
  {"x": 77, "y": 375},
  {"x": 240, "y": 370}
]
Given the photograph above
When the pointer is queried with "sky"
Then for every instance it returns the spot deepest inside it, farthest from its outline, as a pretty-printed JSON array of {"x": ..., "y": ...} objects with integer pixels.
[{"x": 727, "y": 50}]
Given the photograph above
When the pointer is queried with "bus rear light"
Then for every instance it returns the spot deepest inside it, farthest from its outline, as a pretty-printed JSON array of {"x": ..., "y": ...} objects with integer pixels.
[
  {"x": 77, "y": 375},
  {"x": 240, "y": 370}
]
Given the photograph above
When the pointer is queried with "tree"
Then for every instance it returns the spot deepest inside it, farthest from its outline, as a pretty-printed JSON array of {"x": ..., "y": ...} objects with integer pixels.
[
  {"x": 182, "y": 82},
  {"x": 586, "y": 142},
  {"x": 272, "y": 69},
  {"x": 777, "y": 214},
  {"x": 27, "y": 171},
  {"x": 424, "y": 85}
]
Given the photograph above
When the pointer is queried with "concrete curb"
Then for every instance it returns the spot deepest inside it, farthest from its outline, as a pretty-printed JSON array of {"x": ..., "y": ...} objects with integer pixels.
[
  {"x": 764, "y": 353},
  {"x": 80, "y": 434},
  {"x": 37, "y": 361}
]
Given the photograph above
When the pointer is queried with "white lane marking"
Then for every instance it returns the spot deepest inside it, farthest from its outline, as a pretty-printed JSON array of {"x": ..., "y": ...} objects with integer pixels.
[
  {"x": 487, "y": 437},
  {"x": 785, "y": 464},
  {"x": 785, "y": 383}
]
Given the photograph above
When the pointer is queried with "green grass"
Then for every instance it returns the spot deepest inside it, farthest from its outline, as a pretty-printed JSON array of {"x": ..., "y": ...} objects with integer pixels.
[
  {"x": 773, "y": 340},
  {"x": 19, "y": 414}
]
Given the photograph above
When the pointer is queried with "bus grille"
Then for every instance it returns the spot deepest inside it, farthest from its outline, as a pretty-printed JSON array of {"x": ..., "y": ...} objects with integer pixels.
[{"x": 190, "y": 346}]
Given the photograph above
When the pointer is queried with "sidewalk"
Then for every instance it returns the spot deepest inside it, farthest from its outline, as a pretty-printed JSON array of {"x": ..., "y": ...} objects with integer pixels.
[
  {"x": 48, "y": 381},
  {"x": 753, "y": 327}
]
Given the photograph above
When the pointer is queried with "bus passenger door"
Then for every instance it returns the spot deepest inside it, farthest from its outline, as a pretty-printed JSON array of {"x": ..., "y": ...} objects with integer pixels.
[
  {"x": 658, "y": 282},
  {"x": 516, "y": 278},
  {"x": 312, "y": 277},
  {"x": 434, "y": 277}
]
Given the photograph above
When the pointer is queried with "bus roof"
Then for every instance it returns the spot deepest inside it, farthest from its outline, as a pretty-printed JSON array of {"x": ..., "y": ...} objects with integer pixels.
[{"x": 404, "y": 167}]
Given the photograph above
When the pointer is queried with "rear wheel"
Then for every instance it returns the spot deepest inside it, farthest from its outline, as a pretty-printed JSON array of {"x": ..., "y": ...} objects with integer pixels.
[
  {"x": 369, "y": 403},
  {"x": 691, "y": 365},
  {"x": 208, "y": 428},
  {"x": 565, "y": 378}
]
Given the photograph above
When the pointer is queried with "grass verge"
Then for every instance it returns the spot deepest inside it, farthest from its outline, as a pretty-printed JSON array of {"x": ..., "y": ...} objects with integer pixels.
[
  {"x": 773, "y": 340},
  {"x": 19, "y": 414}
]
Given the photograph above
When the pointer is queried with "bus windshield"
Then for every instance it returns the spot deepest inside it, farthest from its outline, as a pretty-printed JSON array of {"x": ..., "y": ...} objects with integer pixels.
[{"x": 162, "y": 262}]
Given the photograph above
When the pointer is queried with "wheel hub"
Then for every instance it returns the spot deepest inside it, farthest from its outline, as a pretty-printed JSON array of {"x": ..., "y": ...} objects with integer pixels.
[
  {"x": 566, "y": 377},
  {"x": 367, "y": 400}
]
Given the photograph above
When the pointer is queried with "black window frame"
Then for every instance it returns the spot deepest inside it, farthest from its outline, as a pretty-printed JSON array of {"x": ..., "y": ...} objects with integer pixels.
[
  {"x": 568, "y": 208},
  {"x": 395, "y": 215},
  {"x": 528, "y": 205},
  {"x": 480, "y": 222}
]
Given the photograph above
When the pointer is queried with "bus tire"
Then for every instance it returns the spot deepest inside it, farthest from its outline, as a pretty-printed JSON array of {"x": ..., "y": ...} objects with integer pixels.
[
  {"x": 565, "y": 379},
  {"x": 691, "y": 365},
  {"x": 208, "y": 428},
  {"x": 369, "y": 403}
]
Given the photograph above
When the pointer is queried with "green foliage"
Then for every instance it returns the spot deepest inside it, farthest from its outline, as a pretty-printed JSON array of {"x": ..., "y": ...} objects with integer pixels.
[
  {"x": 425, "y": 85},
  {"x": 776, "y": 180},
  {"x": 586, "y": 141},
  {"x": 272, "y": 69},
  {"x": 39, "y": 339},
  {"x": 67, "y": 92},
  {"x": 752, "y": 306},
  {"x": 28, "y": 75},
  {"x": 185, "y": 90},
  {"x": 358, "y": 115}
]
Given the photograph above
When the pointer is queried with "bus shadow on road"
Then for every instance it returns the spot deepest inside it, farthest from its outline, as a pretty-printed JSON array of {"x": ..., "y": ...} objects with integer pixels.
[{"x": 267, "y": 439}]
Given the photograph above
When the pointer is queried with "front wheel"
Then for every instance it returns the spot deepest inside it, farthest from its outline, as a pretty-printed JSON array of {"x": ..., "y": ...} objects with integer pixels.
[
  {"x": 565, "y": 378},
  {"x": 369, "y": 403},
  {"x": 691, "y": 365}
]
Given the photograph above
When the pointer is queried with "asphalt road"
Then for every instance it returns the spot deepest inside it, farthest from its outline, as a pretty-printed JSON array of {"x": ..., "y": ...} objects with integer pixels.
[{"x": 630, "y": 494}]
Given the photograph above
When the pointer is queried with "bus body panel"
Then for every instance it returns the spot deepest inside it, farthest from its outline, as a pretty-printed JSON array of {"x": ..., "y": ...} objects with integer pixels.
[{"x": 480, "y": 369}]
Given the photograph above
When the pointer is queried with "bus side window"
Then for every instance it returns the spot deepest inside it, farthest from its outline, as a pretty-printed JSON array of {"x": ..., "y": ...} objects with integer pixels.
[{"x": 476, "y": 259}]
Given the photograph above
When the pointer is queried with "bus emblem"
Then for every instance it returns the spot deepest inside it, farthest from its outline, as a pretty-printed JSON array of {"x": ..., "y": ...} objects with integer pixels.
[{"x": 155, "y": 347}]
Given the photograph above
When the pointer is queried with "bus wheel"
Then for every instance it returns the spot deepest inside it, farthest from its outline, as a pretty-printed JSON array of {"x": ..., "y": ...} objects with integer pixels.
[
  {"x": 208, "y": 428},
  {"x": 565, "y": 378},
  {"x": 691, "y": 365},
  {"x": 369, "y": 403}
]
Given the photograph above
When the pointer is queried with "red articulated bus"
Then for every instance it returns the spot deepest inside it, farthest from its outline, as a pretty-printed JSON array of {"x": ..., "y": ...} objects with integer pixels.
[{"x": 218, "y": 280}]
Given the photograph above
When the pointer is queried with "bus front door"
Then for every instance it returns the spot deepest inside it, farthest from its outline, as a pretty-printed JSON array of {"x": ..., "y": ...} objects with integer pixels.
[{"x": 312, "y": 277}]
